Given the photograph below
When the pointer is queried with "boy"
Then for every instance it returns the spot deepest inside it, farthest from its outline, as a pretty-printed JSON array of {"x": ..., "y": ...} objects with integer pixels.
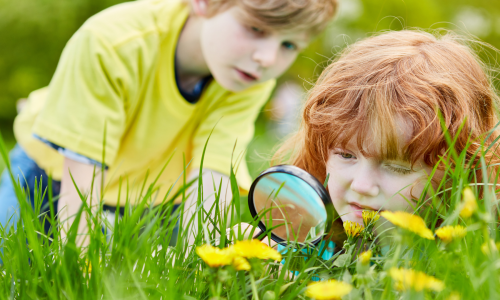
[{"x": 158, "y": 75}]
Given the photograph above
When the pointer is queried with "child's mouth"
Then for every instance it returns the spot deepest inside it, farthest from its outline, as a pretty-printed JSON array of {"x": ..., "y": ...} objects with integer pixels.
[
  {"x": 358, "y": 209},
  {"x": 246, "y": 76}
]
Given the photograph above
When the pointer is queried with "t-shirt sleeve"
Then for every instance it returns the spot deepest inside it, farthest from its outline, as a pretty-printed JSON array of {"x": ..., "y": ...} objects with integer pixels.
[
  {"x": 86, "y": 98},
  {"x": 233, "y": 123},
  {"x": 70, "y": 154}
]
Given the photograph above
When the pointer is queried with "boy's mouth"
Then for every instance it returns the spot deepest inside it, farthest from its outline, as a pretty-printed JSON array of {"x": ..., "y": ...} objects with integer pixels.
[{"x": 246, "y": 76}]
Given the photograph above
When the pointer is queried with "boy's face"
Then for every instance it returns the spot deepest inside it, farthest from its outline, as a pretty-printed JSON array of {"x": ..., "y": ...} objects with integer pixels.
[
  {"x": 240, "y": 55},
  {"x": 360, "y": 183}
]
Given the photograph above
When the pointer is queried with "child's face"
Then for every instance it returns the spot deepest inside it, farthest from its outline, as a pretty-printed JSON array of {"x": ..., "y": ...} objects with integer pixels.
[
  {"x": 239, "y": 55},
  {"x": 360, "y": 183}
]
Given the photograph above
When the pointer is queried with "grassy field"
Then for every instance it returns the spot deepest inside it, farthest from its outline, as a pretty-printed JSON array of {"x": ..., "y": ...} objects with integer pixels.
[
  {"x": 413, "y": 260},
  {"x": 8, "y": 138}
]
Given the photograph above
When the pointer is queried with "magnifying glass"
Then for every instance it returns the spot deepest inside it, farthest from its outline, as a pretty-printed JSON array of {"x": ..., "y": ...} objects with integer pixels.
[{"x": 292, "y": 204}]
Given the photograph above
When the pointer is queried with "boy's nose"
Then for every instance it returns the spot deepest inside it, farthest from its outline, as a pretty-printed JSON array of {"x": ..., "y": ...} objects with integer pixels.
[
  {"x": 364, "y": 182},
  {"x": 266, "y": 53}
]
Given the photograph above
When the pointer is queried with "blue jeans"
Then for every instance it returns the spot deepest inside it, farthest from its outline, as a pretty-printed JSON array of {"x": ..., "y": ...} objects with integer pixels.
[{"x": 27, "y": 171}]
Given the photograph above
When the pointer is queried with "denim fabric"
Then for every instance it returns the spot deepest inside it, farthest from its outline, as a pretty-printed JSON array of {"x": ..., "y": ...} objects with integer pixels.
[{"x": 26, "y": 171}]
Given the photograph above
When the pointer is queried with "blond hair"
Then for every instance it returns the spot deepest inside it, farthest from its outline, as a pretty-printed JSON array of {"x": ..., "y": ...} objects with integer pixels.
[
  {"x": 407, "y": 75},
  {"x": 283, "y": 15}
]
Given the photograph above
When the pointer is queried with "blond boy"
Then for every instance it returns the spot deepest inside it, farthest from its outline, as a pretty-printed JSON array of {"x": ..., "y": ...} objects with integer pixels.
[{"x": 157, "y": 76}]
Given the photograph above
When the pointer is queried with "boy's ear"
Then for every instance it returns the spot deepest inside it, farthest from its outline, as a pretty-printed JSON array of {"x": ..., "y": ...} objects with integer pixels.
[{"x": 200, "y": 7}]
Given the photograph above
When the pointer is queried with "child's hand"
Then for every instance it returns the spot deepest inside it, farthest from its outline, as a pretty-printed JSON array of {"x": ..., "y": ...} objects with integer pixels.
[
  {"x": 85, "y": 177},
  {"x": 247, "y": 229}
]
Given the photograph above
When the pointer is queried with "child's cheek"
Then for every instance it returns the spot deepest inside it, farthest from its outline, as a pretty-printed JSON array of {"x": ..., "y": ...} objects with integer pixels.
[
  {"x": 337, "y": 189},
  {"x": 338, "y": 184},
  {"x": 239, "y": 40},
  {"x": 336, "y": 196}
]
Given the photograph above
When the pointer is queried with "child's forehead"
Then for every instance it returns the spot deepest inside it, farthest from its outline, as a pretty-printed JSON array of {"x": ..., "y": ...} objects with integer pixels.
[
  {"x": 376, "y": 142},
  {"x": 365, "y": 143},
  {"x": 285, "y": 29},
  {"x": 371, "y": 149}
]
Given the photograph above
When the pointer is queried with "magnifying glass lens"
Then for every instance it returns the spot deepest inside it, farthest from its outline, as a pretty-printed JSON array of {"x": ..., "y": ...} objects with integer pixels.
[{"x": 290, "y": 207}]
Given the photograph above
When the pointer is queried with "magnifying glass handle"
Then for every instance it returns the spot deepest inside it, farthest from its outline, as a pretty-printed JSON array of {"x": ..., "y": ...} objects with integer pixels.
[
  {"x": 247, "y": 229},
  {"x": 257, "y": 233},
  {"x": 264, "y": 239}
]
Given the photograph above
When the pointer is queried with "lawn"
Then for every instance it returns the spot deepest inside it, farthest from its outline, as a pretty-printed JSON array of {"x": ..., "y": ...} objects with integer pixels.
[{"x": 448, "y": 252}]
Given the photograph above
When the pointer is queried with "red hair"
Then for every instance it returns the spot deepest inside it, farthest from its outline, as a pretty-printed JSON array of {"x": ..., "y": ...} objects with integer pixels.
[{"x": 406, "y": 75}]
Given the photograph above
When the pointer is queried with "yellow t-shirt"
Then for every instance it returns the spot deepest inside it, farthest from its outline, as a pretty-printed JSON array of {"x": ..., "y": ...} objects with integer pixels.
[{"x": 117, "y": 72}]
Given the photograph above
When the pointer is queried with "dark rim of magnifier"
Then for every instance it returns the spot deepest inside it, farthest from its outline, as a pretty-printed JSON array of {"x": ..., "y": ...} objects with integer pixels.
[{"x": 309, "y": 179}]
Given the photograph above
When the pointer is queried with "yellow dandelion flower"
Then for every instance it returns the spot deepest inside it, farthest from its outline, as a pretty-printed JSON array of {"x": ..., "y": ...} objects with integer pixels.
[
  {"x": 454, "y": 296},
  {"x": 215, "y": 257},
  {"x": 485, "y": 248},
  {"x": 365, "y": 257},
  {"x": 370, "y": 216},
  {"x": 469, "y": 204},
  {"x": 409, "y": 222},
  {"x": 241, "y": 264},
  {"x": 328, "y": 290},
  {"x": 407, "y": 279},
  {"x": 352, "y": 229},
  {"x": 255, "y": 248},
  {"x": 450, "y": 233}
]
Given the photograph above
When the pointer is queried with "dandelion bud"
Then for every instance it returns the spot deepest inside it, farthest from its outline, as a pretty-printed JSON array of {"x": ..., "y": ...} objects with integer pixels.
[
  {"x": 450, "y": 233},
  {"x": 370, "y": 216},
  {"x": 454, "y": 296},
  {"x": 365, "y": 257},
  {"x": 469, "y": 204},
  {"x": 331, "y": 289},
  {"x": 408, "y": 279},
  {"x": 488, "y": 248},
  {"x": 352, "y": 229}
]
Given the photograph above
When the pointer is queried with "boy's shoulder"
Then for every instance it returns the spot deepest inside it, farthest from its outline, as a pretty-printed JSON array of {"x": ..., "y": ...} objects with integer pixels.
[{"x": 134, "y": 20}]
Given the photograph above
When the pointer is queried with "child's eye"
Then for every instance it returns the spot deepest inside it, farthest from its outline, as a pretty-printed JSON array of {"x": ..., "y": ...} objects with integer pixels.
[
  {"x": 399, "y": 170},
  {"x": 257, "y": 30},
  {"x": 346, "y": 155},
  {"x": 289, "y": 46}
]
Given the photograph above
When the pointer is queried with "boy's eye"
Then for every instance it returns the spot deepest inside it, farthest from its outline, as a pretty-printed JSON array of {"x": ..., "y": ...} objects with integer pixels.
[
  {"x": 257, "y": 30},
  {"x": 399, "y": 170},
  {"x": 289, "y": 46}
]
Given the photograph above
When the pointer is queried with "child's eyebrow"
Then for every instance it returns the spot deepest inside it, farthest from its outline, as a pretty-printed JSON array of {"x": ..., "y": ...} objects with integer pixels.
[{"x": 396, "y": 161}]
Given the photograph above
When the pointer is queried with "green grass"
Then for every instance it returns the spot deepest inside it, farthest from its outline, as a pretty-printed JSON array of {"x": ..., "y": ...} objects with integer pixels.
[
  {"x": 9, "y": 140},
  {"x": 136, "y": 262}
]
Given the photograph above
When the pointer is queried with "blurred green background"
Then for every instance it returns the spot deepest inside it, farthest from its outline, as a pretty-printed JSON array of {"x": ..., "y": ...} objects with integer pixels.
[{"x": 33, "y": 34}]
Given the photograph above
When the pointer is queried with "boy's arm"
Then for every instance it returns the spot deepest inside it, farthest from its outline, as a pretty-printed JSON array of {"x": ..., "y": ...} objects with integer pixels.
[
  {"x": 70, "y": 201},
  {"x": 209, "y": 177}
]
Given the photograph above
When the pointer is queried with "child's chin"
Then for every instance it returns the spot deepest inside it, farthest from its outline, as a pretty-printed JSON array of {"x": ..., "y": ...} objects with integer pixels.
[{"x": 232, "y": 84}]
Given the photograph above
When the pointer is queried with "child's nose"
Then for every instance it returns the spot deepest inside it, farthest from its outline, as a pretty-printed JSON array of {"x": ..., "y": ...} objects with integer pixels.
[
  {"x": 266, "y": 53},
  {"x": 364, "y": 182}
]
